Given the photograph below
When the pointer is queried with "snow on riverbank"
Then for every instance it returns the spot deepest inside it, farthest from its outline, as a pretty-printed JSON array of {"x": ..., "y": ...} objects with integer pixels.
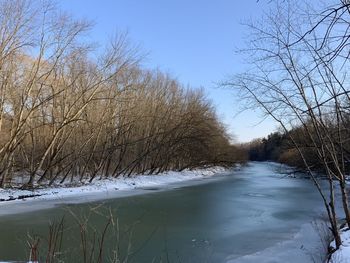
[
  {"x": 105, "y": 186},
  {"x": 342, "y": 255}
]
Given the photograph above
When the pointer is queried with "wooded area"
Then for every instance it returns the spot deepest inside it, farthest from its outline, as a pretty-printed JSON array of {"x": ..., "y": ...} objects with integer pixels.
[{"x": 70, "y": 110}]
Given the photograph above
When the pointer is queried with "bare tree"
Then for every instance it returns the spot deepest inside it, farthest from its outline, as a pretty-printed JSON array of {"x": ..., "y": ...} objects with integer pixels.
[
  {"x": 70, "y": 110},
  {"x": 298, "y": 77}
]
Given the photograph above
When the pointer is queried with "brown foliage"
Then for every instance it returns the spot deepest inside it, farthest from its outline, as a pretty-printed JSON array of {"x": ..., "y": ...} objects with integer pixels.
[{"x": 65, "y": 115}]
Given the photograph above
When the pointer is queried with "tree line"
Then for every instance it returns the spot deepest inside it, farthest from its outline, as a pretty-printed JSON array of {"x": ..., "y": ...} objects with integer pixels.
[
  {"x": 278, "y": 147},
  {"x": 70, "y": 110},
  {"x": 299, "y": 64}
]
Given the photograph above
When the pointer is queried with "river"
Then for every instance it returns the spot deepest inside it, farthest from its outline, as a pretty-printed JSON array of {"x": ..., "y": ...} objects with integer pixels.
[{"x": 256, "y": 214}]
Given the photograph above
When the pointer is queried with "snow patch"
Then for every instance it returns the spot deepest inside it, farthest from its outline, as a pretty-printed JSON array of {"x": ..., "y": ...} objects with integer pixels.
[{"x": 342, "y": 255}]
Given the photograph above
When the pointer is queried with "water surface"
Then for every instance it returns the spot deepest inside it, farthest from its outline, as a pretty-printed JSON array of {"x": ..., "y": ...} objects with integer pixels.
[{"x": 252, "y": 215}]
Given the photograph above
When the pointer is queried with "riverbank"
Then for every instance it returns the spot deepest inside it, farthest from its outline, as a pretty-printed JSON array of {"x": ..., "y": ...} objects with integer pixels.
[
  {"x": 342, "y": 255},
  {"x": 14, "y": 201}
]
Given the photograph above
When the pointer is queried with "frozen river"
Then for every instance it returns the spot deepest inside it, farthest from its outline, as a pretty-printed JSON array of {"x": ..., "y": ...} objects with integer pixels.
[{"x": 252, "y": 215}]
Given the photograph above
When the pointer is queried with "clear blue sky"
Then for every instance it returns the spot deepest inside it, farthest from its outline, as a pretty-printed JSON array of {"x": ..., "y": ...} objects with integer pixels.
[{"x": 194, "y": 40}]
